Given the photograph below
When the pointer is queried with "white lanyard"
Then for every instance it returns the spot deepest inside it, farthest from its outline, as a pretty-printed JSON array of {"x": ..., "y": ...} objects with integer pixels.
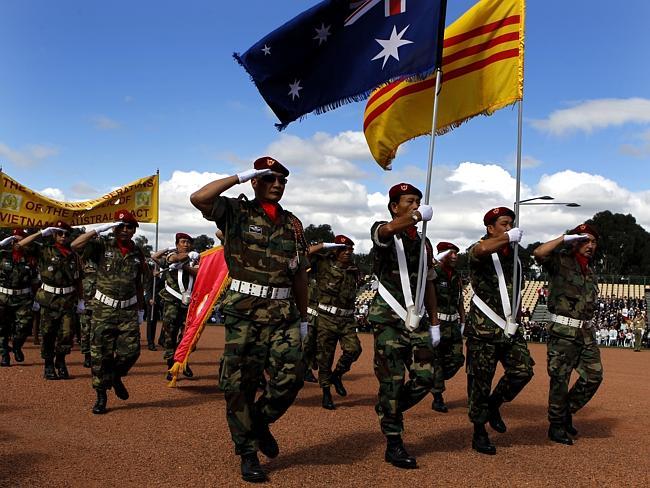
[{"x": 180, "y": 282}]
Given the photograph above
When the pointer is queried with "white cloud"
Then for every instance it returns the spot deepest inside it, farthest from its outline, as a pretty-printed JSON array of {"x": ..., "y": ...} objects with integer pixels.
[
  {"x": 102, "y": 122},
  {"x": 596, "y": 114},
  {"x": 28, "y": 156},
  {"x": 54, "y": 193}
]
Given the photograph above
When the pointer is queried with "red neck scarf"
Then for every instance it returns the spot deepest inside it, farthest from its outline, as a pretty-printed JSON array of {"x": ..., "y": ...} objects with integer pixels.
[
  {"x": 17, "y": 254},
  {"x": 272, "y": 210},
  {"x": 63, "y": 249},
  {"x": 124, "y": 248},
  {"x": 447, "y": 270},
  {"x": 412, "y": 232},
  {"x": 583, "y": 262}
]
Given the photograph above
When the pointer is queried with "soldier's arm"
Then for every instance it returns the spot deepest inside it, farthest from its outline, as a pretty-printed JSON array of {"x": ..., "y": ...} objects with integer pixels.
[
  {"x": 489, "y": 246},
  {"x": 159, "y": 254},
  {"x": 397, "y": 225},
  {"x": 543, "y": 251},
  {"x": 29, "y": 239},
  {"x": 431, "y": 302},
  {"x": 300, "y": 291},
  {"x": 203, "y": 199},
  {"x": 81, "y": 241}
]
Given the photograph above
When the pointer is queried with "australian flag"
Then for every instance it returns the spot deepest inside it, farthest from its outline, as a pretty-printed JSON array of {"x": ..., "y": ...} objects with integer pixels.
[{"x": 340, "y": 50}]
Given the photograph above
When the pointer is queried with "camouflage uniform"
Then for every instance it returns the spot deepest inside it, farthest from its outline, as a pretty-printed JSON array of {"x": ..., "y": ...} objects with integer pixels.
[
  {"x": 487, "y": 343},
  {"x": 18, "y": 274},
  {"x": 60, "y": 271},
  {"x": 449, "y": 354},
  {"x": 572, "y": 294},
  {"x": 310, "y": 346},
  {"x": 337, "y": 287},
  {"x": 638, "y": 327},
  {"x": 89, "y": 284},
  {"x": 115, "y": 344},
  {"x": 259, "y": 331},
  {"x": 174, "y": 311},
  {"x": 398, "y": 350}
]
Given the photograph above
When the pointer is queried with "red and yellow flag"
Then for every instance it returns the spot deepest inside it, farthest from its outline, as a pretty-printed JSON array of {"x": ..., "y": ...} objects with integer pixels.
[
  {"x": 483, "y": 71},
  {"x": 211, "y": 280}
]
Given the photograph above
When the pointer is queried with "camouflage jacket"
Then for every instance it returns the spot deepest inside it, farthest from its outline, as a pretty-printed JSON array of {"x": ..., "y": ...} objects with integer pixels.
[
  {"x": 171, "y": 280},
  {"x": 16, "y": 274},
  {"x": 386, "y": 269},
  {"x": 571, "y": 293},
  {"x": 258, "y": 250},
  {"x": 485, "y": 284},
  {"x": 118, "y": 277},
  {"x": 89, "y": 281},
  {"x": 449, "y": 293},
  {"x": 337, "y": 286}
]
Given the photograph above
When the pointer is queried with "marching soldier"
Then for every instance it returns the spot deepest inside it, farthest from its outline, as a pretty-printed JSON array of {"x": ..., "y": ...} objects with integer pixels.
[
  {"x": 404, "y": 338},
  {"x": 449, "y": 296},
  {"x": 17, "y": 278},
  {"x": 58, "y": 296},
  {"x": 336, "y": 279},
  {"x": 182, "y": 266},
  {"x": 118, "y": 304},
  {"x": 638, "y": 327},
  {"x": 492, "y": 332},
  {"x": 265, "y": 309},
  {"x": 571, "y": 345}
]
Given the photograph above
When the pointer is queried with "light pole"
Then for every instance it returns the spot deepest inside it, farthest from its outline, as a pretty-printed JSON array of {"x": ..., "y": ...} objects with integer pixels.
[{"x": 529, "y": 201}]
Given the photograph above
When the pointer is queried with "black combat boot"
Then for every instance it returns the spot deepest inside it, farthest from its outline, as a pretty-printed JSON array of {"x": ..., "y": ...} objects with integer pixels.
[
  {"x": 309, "y": 376},
  {"x": 568, "y": 425},
  {"x": 18, "y": 349},
  {"x": 481, "y": 442},
  {"x": 88, "y": 361},
  {"x": 266, "y": 442},
  {"x": 557, "y": 433},
  {"x": 120, "y": 390},
  {"x": 188, "y": 373},
  {"x": 494, "y": 418},
  {"x": 5, "y": 361},
  {"x": 337, "y": 382},
  {"x": 328, "y": 403},
  {"x": 49, "y": 373},
  {"x": 396, "y": 453},
  {"x": 100, "y": 404},
  {"x": 439, "y": 403},
  {"x": 61, "y": 368},
  {"x": 251, "y": 470},
  {"x": 170, "y": 363}
]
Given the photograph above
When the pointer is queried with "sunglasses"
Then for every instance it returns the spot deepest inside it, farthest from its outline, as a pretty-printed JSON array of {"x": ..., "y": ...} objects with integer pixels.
[{"x": 272, "y": 178}]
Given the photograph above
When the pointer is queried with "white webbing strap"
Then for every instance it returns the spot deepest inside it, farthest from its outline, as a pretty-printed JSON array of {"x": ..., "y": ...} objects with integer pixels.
[
  {"x": 488, "y": 312},
  {"x": 173, "y": 292},
  {"x": 503, "y": 289},
  {"x": 180, "y": 282}
]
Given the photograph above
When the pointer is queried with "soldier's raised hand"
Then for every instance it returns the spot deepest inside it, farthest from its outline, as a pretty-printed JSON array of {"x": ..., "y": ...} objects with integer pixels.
[
  {"x": 575, "y": 237},
  {"x": 48, "y": 231},
  {"x": 426, "y": 212},
  {"x": 7, "y": 240},
  {"x": 515, "y": 234},
  {"x": 106, "y": 227},
  {"x": 249, "y": 174},
  {"x": 193, "y": 255},
  {"x": 329, "y": 245}
]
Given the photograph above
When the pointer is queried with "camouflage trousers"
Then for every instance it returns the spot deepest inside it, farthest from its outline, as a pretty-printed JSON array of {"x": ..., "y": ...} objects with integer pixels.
[
  {"x": 398, "y": 352},
  {"x": 330, "y": 331},
  {"x": 86, "y": 319},
  {"x": 638, "y": 337},
  {"x": 249, "y": 348},
  {"x": 15, "y": 324},
  {"x": 56, "y": 331},
  {"x": 310, "y": 345},
  {"x": 448, "y": 356},
  {"x": 482, "y": 359},
  {"x": 174, "y": 314},
  {"x": 115, "y": 344},
  {"x": 565, "y": 355}
]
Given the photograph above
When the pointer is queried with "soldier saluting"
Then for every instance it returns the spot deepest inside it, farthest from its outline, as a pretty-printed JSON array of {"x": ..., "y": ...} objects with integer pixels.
[
  {"x": 265, "y": 308},
  {"x": 572, "y": 345}
]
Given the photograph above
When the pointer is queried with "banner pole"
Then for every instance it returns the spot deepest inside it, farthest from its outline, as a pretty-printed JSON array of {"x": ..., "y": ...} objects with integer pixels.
[
  {"x": 155, "y": 265},
  {"x": 515, "y": 273}
]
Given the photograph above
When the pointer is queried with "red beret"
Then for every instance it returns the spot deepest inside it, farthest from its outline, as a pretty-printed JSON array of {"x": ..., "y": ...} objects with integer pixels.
[
  {"x": 126, "y": 217},
  {"x": 19, "y": 232},
  {"x": 183, "y": 235},
  {"x": 63, "y": 225},
  {"x": 585, "y": 229},
  {"x": 402, "y": 189},
  {"x": 492, "y": 215},
  {"x": 444, "y": 246},
  {"x": 267, "y": 162},
  {"x": 341, "y": 239}
]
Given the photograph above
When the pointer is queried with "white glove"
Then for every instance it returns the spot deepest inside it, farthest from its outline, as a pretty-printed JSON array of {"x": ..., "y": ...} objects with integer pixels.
[
  {"x": 7, "y": 240},
  {"x": 49, "y": 231},
  {"x": 193, "y": 255},
  {"x": 249, "y": 174},
  {"x": 441, "y": 256},
  {"x": 462, "y": 328},
  {"x": 304, "y": 329},
  {"x": 140, "y": 316},
  {"x": 81, "y": 306},
  {"x": 329, "y": 245},
  {"x": 575, "y": 237},
  {"x": 434, "y": 335},
  {"x": 176, "y": 266},
  {"x": 426, "y": 211},
  {"x": 106, "y": 227},
  {"x": 515, "y": 234},
  {"x": 36, "y": 306}
]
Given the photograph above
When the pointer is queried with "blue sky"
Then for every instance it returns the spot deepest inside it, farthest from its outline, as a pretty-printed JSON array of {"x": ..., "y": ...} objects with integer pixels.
[{"x": 96, "y": 94}]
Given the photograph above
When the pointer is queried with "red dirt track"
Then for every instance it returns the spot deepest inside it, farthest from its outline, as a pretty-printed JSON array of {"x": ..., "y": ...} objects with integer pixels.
[{"x": 164, "y": 437}]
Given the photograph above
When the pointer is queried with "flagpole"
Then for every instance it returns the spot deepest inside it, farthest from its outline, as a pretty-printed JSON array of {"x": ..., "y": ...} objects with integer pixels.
[
  {"x": 422, "y": 263},
  {"x": 515, "y": 272},
  {"x": 155, "y": 266}
]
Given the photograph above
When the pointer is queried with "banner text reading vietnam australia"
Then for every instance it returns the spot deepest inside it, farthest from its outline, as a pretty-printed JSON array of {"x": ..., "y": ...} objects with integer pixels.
[{"x": 22, "y": 207}]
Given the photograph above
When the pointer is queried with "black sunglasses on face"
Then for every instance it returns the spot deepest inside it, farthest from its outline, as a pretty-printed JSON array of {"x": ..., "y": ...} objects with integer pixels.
[{"x": 272, "y": 178}]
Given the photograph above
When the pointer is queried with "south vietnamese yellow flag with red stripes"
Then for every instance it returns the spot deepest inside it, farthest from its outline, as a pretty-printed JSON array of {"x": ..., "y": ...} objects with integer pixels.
[{"x": 483, "y": 71}]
